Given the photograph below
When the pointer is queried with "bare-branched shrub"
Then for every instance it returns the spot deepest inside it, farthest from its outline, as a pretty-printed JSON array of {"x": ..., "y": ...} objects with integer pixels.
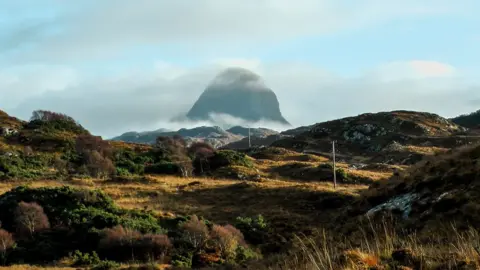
[
  {"x": 122, "y": 244},
  {"x": 175, "y": 149},
  {"x": 201, "y": 152},
  {"x": 43, "y": 115},
  {"x": 96, "y": 155},
  {"x": 195, "y": 231},
  {"x": 153, "y": 246},
  {"x": 6, "y": 243},
  {"x": 226, "y": 240},
  {"x": 98, "y": 165},
  {"x": 30, "y": 218}
]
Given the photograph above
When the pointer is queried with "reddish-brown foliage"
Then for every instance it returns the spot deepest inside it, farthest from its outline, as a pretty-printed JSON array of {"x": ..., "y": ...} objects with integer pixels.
[
  {"x": 49, "y": 116},
  {"x": 30, "y": 218},
  {"x": 122, "y": 244},
  {"x": 226, "y": 240},
  {"x": 195, "y": 231},
  {"x": 88, "y": 142},
  {"x": 6, "y": 241},
  {"x": 175, "y": 148},
  {"x": 98, "y": 165}
]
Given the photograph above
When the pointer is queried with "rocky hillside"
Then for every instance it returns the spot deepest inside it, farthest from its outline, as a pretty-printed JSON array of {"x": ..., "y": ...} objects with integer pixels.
[
  {"x": 239, "y": 93},
  {"x": 444, "y": 188},
  {"x": 8, "y": 124},
  {"x": 215, "y": 136},
  {"x": 398, "y": 137}
]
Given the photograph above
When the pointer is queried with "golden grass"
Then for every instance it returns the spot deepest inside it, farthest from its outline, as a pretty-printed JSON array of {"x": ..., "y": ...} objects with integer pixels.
[
  {"x": 424, "y": 150},
  {"x": 381, "y": 252},
  {"x": 374, "y": 176},
  {"x": 218, "y": 200}
]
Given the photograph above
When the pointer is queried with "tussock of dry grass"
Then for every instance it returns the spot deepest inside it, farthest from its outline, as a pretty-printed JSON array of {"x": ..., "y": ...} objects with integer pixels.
[{"x": 386, "y": 250}]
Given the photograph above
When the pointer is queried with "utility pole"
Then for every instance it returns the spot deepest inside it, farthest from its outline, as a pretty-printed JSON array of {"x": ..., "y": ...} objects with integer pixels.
[
  {"x": 249, "y": 141},
  {"x": 334, "y": 166}
]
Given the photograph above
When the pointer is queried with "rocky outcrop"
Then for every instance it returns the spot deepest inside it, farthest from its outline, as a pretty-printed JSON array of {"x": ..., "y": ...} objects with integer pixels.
[
  {"x": 400, "y": 136},
  {"x": 239, "y": 93}
]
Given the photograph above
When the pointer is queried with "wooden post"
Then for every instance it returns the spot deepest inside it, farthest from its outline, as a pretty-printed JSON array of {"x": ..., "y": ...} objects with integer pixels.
[{"x": 334, "y": 166}]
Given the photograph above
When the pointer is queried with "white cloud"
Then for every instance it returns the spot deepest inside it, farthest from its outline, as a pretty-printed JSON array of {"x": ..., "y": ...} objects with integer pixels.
[
  {"x": 307, "y": 95},
  {"x": 20, "y": 82},
  {"x": 415, "y": 69},
  {"x": 98, "y": 29}
]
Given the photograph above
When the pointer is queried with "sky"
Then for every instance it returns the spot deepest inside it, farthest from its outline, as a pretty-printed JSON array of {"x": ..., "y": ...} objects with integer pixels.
[{"x": 123, "y": 65}]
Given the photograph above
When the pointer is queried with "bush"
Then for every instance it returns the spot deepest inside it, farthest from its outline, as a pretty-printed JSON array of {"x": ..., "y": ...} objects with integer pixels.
[
  {"x": 130, "y": 161},
  {"x": 225, "y": 158},
  {"x": 106, "y": 265},
  {"x": 79, "y": 209},
  {"x": 85, "y": 259},
  {"x": 226, "y": 239},
  {"x": 342, "y": 174},
  {"x": 195, "y": 232},
  {"x": 182, "y": 260},
  {"x": 30, "y": 218},
  {"x": 6, "y": 243},
  {"x": 163, "y": 168},
  {"x": 18, "y": 166},
  {"x": 254, "y": 229},
  {"x": 123, "y": 244},
  {"x": 244, "y": 254}
]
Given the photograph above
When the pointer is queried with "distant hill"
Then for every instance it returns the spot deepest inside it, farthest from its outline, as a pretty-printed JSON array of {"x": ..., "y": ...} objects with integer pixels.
[
  {"x": 392, "y": 137},
  {"x": 471, "y": 120},
  {"x": 215, "y": 136}
]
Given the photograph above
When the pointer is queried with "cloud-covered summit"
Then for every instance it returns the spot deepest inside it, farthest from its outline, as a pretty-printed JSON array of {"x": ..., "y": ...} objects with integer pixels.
[{"x": 240, "y": 93}]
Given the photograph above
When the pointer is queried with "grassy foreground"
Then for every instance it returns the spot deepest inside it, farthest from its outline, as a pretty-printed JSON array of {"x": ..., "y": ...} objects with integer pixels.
[{"x": 293, "y": 209}]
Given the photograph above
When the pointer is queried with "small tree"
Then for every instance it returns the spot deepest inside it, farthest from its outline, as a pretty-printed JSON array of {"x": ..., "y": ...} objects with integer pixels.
[
  {"x": 226, "y": 240},
  {"x": 30, "y": 218},
  {"x": 174, "y": 149},
  {"x": 98, "y": 165},
  {"x": 201, "y": 152},
  {"x": 96, "y": 155},
  {"x": 195, "y": 232},
  {"x": 6, "y": 243},
  {"x": 43, "y": 115}
]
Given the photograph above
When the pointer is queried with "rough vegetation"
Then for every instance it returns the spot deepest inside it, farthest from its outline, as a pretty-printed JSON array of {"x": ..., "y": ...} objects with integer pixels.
[{"x": 405, "y": 198}]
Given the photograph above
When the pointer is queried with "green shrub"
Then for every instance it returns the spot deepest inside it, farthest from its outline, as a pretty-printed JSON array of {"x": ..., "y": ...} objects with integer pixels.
[
  {"x": 80, "y": 209},
  {"x": 255, "y": 230},
  {"x": 163, "y": 168},
  {"x": 52, "y": 126},
  {"x": 18, "y": 166},
  {"x": 225, "y": 158},
  {"x": 341, "y": 174},
  {"x": 182, "y": 260},
  {"x": 244, "y": 254},
  {"x": 131, "y": 161},
  {"x": 85, "y": 259},
  {"x": 106, "y": 265}
]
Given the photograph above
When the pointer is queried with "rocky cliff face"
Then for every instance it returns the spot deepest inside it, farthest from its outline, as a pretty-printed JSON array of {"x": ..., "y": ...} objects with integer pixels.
[{"x": 240, "y": 93}]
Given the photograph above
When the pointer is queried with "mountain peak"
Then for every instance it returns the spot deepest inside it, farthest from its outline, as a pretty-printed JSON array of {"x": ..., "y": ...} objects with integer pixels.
[{"x": 240, "y": 93}]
